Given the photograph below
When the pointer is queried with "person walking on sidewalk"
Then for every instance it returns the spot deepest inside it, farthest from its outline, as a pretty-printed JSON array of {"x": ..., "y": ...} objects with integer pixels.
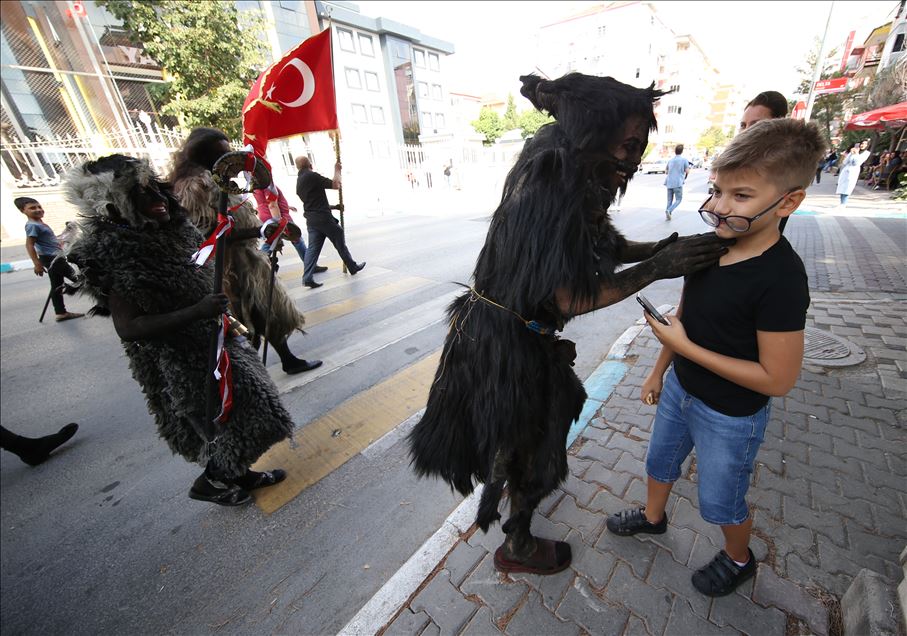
[
  {"x": 676, "y": 173},
  {"x": 740, "y": 342},
  {"x": 310, "y": 188},
  {"x": 850, "y": 171},
  {"x": 43, "y": 248}
]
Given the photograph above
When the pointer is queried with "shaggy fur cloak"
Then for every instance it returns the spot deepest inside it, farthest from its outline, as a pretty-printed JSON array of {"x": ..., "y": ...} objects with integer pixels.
[
  {"x": 247, "y": 272},
  {"x": 504, "y": 394},
  {"x": 119, "y": 251}
]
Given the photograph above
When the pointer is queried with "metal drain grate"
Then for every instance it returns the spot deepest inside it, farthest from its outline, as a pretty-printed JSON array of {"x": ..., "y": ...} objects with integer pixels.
[{"x": 826, "y": 349}]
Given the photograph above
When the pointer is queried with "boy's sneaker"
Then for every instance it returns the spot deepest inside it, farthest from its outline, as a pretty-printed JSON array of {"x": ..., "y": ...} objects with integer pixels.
[
  {"x": 722, "y": 575},
  {"x": 633, "y": 521}
]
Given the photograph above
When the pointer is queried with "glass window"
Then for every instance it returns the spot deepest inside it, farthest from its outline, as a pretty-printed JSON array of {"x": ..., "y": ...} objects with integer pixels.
[
  {"x": 434, "y": 62},
  {"x": 365, "y": 45},
  {"x": 439, "y": 120},
  {"x": 371, "y": 81},
  {"x": 436, "y": 92},
  {"x": 426, "y": 120},
  {"x": 359, "y": 114},
  {"x": 346, "y": 40},
  {"x": 377, "y": 115},
  {"x": 353, "y": 79},
  {"x": 423, "y": 89},
  {"x": 419, "y": 58}
]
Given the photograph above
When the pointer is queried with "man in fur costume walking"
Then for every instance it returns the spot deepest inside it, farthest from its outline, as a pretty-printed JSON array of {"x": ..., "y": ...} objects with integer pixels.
[
  {"x": 505, "y": 394},
  {"x": 134, "y": 253},
  {"x": 246, "y": 270}
]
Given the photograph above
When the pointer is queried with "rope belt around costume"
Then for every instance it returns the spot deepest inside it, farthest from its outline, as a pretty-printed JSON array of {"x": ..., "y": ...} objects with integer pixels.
[{"x": 532, "y": 325}]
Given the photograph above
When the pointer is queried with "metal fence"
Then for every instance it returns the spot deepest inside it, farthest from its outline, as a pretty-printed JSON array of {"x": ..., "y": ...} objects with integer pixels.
[{"x": 43, "y": 163}]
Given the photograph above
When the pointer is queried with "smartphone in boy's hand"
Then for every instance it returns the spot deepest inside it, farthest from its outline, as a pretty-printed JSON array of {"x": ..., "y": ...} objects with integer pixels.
[{"x": 650, "y": 309}]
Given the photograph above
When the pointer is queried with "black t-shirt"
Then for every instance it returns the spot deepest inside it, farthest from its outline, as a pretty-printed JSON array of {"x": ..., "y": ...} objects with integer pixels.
[
  {"x": 723, "y": 307},
  {"x": 310, "y": 188}
]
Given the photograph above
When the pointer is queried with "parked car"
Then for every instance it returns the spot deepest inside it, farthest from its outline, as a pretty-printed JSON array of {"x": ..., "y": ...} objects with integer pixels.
[{"x": 655, "y": 165}]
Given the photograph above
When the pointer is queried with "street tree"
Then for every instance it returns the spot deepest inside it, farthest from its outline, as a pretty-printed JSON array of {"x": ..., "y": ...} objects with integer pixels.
[
  {"x": 489, "y": 124},
  {"x": 828, "y": 110},
  {"x": 712, "y": 138},
  {"x": 211, "y": 54},
  {"x": 529, "y": 121},
  {"x": 510, "y": 120}
]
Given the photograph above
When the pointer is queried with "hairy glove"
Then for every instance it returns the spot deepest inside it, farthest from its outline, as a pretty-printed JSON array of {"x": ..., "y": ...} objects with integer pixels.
[{"x": 688, "y": 254}]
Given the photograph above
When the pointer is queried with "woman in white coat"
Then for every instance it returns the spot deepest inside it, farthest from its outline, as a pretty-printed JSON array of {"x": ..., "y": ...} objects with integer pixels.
[{"x": 850, "y": 170}]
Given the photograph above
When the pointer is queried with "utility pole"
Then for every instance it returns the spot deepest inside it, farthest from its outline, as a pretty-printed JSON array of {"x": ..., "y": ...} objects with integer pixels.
[{"x": 820, "y": 63}]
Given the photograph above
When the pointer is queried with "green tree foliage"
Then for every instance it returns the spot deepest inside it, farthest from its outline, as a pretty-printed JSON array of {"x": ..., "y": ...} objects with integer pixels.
[
  {"x": 210, "y": 51},
  {"x": 713, "y": 138},
  {"x": 828, "y": 110},
  {"x": 510, "y": 120},
  {"x": 489, "y": 124},
  {"x": 529, "y": 121}
]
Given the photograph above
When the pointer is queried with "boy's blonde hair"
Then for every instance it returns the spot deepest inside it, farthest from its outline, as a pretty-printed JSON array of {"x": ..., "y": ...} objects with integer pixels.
[{"x": 783, "y": 151}]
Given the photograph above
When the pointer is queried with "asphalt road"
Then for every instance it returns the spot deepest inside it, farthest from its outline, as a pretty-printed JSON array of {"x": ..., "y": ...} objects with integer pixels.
[{"x": 103, "y": 539}]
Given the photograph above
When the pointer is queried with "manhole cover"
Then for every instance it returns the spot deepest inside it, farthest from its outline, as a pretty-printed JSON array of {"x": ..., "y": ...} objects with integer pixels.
[{"x": 826, "y": 349}]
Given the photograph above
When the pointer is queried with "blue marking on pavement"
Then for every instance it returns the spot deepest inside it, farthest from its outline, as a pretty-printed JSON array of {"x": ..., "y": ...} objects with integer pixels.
[
  {"x": 873, "y": 214},
  {"x": 599, "y": 387},
  {"x": 6, "y": 267},
  {"x": 15, "y": 266}
]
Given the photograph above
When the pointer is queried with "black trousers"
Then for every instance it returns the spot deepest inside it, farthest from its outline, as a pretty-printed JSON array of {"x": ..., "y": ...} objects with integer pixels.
[
  {"x": 62, "y": 269},
  {"x": 319, "y": 230}
]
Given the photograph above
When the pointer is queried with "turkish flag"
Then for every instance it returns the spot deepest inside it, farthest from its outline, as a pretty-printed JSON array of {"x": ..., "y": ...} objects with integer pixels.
[{"x": 294, "y": 95}]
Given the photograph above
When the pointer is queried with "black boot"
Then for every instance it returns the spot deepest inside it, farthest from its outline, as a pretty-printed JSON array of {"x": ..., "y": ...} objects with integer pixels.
[
  {"x": 290, "y": 363},
  {"x": 34, "y": 451},
  {"x": 212, "y": 486}
]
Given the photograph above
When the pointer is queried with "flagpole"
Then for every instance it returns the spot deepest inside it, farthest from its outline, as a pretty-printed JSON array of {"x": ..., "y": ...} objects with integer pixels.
[{"x": 336, "y": 134}]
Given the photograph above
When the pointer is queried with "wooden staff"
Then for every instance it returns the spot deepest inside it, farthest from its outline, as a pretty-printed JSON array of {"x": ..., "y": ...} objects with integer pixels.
[
  {"x": 213, "y": 403},
  {"x": 340, "y": 187}
]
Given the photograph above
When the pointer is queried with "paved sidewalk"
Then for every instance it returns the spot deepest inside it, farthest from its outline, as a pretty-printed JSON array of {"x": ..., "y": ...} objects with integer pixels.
[{"x": 828, "y": 492}]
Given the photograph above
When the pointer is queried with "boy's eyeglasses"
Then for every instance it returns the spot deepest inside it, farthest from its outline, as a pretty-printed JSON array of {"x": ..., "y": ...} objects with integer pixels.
[{"x": 735, "y": 222}]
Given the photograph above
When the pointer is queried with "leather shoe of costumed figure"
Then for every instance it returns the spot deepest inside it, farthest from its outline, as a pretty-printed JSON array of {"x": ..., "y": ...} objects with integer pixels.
[
  {"x": 359, "y": 267},
  {"x": 320, "y": 269},
  {"x": 312, "y": 284}
]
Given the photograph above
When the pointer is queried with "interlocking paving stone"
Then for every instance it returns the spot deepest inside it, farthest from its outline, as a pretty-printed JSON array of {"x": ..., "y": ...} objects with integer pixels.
[
  {"x": 461, "y": 561},
  {"x": 667, "y": 574},
  {"x": 685, "y": 515},
  {"x": 799, "y": 516},
  {"x": 736, "y": 611},
  {"x": 408, "y": 624},
  {"x": 772, "y": 590},
  {"x": 552, "y": 587},
  {"x": 614, "y": 481},
  {"x": 635, "y": 448},
  {"x": 588, "y": 523},
  {"x": 582, "y": 606},
  {"x": 677, "y": 541},
  {"x": 592, "y": 564},
  {"x": 581, "y": 489},
  {"x": 684, "y": 621},
  {"x": 493, "y": 588},
  {"x": 629, "y": 464},
  {"x": 651, "y": 604},
  {"x": 481, "y": 624},
  {"x": 636, "y": 627},
  {"x": 827, "y": 501},
  {"x": 804, "y": 574},
  {"x": 534, "y": 618},
  {"x": 598, "y": 435},
  {"x": 444, "y": 604},
  {"x": 639, "y": 554},
  {"x": 607, "y": 456}
]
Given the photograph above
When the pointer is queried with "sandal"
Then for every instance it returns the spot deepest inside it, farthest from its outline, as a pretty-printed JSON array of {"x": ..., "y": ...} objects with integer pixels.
[
  {"x": 632, "y": 521},
  {"x": 722, "y": 576},
  {"x": 550, "y": 557},
  {"x": 252, "y": 480},
  {"x": 206, "y": 489}
]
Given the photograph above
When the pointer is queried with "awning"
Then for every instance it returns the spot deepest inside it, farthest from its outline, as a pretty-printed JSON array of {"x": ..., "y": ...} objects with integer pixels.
[{"x": 894, "y": 116}]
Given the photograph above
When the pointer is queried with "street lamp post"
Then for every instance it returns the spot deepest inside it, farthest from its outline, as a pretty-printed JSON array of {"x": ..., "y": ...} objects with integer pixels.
[{"x": 820, "y": 64}]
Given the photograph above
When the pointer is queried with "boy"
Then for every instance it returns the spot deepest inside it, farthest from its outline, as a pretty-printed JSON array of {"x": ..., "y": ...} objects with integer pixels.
[
  {"x": 741, "y": 342},
  {"x": 43, "y": 247}
]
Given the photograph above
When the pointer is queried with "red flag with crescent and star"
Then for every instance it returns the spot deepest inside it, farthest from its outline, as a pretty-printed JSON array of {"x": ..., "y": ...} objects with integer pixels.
[{"x": 294, "y": 95}]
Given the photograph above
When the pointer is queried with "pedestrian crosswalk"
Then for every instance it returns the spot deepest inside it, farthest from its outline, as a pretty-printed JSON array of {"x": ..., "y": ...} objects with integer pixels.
[{"x": 351, "y": 319}]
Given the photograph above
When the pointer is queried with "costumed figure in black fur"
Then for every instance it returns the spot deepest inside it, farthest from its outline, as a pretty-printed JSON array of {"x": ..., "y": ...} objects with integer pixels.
[
  {"x": 134, "y": 253},
  {"x": 247, "y": 273},
  {"x": 505, "y": 395}
]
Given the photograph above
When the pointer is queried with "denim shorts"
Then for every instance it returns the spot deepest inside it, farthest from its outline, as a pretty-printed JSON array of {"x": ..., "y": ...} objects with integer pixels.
[{"x": 725, "y": 450}]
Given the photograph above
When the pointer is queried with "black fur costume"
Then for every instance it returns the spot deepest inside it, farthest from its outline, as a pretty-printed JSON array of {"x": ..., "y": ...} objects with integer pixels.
[
  {"x": 147, "y": 265},
  {"x": 504, "y": 395}
]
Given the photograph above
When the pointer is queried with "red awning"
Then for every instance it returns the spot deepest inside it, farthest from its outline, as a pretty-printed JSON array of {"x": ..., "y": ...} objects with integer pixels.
[{"x": 894, "y": 116}]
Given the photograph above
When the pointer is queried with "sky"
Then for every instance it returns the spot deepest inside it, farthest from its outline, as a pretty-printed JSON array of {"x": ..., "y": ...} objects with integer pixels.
[{"x": 757, "y": 45}]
